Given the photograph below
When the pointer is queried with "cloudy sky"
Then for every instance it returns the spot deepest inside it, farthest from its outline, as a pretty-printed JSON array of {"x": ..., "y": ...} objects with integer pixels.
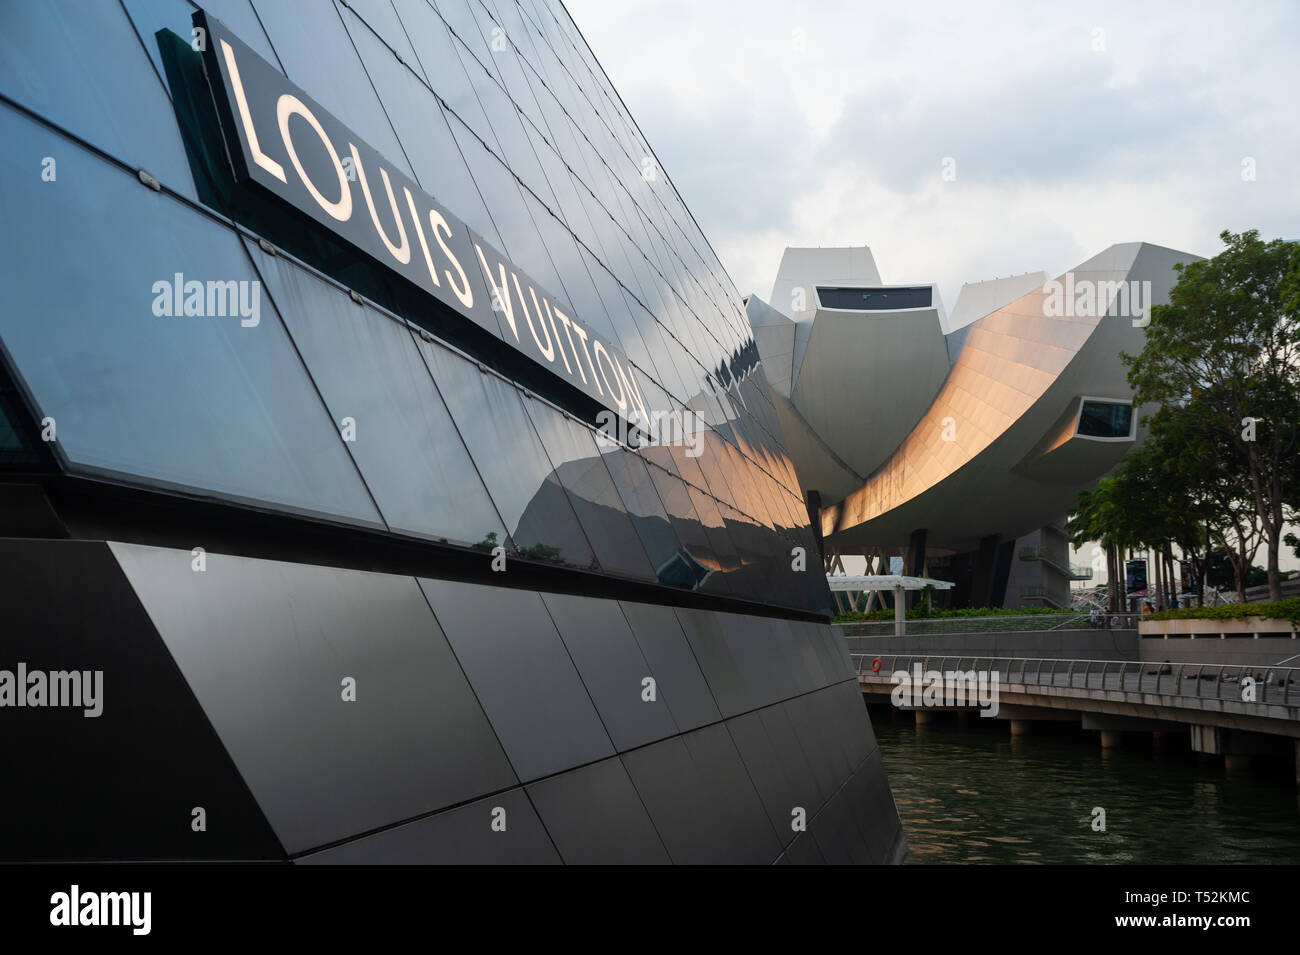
[{"x": 1070, "y": 126}]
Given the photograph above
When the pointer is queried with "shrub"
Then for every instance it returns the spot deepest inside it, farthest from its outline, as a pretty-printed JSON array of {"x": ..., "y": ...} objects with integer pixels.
[{"x": 1287, "y": 609}]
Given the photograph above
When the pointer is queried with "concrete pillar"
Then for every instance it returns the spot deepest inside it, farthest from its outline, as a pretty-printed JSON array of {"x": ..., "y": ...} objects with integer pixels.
[
  {"x": 914, "y": 563},
  {"x": 924, "y": 717},
  {"x": 1236, "y": 763},
  {"x": 900, "y": 613},
  {"x": 1208, "y": 739},
  {"x": 982, "y": 577},
  {"x": 1297, "y": 761},
  {"x": 1020, "y": 727},
  {"x": 1111, "y": 739}
]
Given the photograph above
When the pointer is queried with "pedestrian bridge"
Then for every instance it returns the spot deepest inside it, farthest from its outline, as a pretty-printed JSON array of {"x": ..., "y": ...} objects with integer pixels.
[{"x": 1231, "y": 710}]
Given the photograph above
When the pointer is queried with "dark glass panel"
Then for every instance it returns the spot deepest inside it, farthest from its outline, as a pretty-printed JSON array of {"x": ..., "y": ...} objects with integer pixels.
[
  {"x": 418, "y": 119},
  {"x": 707, "y": 566},
  {"x": 324, "y": 62},
  {"x": 507, "y": 138},
  {"x": 666, "y": 650},
  {"x": 581, "y": 469},
  {"x": 471, "y": 23},
  {"x": 706, "y": 509},
  {"x": 522, "y": 243},
  {"x": 528, "y": 495},
  {"x": 596, "y": 817},
  {"x": 522, "y": 674},
  {"x": 1102, "y": 419},
  {"x": 287, "y": 634},
  {"x": 195, "y": 402},
  {"x": 381, "y": 17},
  {"x": 437, "y": 53},
  {"x": 80, "y": 66},
  {"x": 607, "y": 656},
  {"x": 462, "y": 836},
  {"x": 874, "y": 299},
  {"x": 577, "y": 285},
  {"x": 671, "y": 566},
  {"x": 369, "y": 369}
]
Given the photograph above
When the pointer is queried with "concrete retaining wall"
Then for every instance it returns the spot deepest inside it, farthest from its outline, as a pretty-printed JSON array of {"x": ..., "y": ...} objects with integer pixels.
[
  {"x": 1055, "y": 644},
  {"x": 1240, "y": 650}
]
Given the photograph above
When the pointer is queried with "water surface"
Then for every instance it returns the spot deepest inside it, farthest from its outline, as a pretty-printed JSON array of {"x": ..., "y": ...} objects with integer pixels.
[{"x": 978, "y": 795}]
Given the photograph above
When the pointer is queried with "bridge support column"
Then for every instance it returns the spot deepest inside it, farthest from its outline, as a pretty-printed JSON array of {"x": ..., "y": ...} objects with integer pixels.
[
  {"x": 1208, "y": 739},
  {"x": 1238, "y": 747},
  {"x": 1297, "y": 761},
  {"x": 1111, "y": 739},
  {"x": 924, "y": 717},
  {"x": 1020, "y": 727}
]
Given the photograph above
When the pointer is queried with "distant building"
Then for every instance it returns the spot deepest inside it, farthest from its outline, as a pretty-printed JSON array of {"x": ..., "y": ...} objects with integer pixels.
[{"x": 965, "y": 449}]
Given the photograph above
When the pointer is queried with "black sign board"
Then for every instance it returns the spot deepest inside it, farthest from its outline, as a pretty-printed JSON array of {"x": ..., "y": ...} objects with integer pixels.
[{"x": 281, "y": 139}]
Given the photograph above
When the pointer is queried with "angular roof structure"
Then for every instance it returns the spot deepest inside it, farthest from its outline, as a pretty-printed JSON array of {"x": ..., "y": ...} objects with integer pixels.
[{"x": 992, "y": 429}]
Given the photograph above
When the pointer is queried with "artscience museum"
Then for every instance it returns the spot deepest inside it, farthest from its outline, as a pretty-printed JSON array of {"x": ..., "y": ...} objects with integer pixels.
[{"x": 957, "y": 440}]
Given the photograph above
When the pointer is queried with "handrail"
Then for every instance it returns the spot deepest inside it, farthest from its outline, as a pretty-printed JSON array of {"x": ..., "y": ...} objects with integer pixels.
[
  {"x": 1007, "y": 623},
  {"x": 1272, "y": 681}
]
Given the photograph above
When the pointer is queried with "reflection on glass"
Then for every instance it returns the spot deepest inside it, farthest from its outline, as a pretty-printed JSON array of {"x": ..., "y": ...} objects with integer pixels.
[
  {"x": 671, "y": 562},
  {"x": 520, "y": 480},
  {"x": 369, "y": 372},
  {"x": 1102, "y": 419},
  {"x": 194, "y": 401},
  {"x": 581, "y": 470}
]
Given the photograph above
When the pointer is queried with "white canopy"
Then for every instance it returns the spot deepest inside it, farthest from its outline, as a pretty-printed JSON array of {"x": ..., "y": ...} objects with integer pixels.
[
  {"x": 895, "y": 582},
  {"x": 885, "y": 582}
]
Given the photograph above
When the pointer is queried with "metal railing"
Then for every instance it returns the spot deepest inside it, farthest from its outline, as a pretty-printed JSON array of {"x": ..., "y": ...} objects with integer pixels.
[
  {"x": 1073, "y": 571},
  {"x": 945, "y": 625},
  {"x": 1217, "y": 681}
]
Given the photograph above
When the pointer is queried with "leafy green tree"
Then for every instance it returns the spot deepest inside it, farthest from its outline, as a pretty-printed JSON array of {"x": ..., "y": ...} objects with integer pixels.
[
  {"x": 1227, "y": 349},
  {"x": 1207, "y": 486},
  {"x": 1096, "y": 517}
]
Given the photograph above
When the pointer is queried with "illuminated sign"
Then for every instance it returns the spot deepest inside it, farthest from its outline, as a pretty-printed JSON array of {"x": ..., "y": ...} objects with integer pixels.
[{"x": 281, "y": 139}]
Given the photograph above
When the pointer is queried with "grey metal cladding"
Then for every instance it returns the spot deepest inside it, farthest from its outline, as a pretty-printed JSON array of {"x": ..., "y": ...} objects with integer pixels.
[
  {"x": 122, "y": 783},
  {"x": 594, "y": 815},
  {"x": 678, "y": 801},
  {"x": 672, "y": 663},
  {"x": 462, "y": 836},
  {"x": 522, "y": 674},
  {"x": 267, "y": 646},
  {"x": 704, "y": 631},
  {"x": 782, "y": 789},
  {"x": 613, "y": 669},
  {"x": 739, "y": 816}
]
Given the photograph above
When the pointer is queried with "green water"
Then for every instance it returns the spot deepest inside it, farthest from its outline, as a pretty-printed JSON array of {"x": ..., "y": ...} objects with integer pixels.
[{"x": 975, "y": 794}]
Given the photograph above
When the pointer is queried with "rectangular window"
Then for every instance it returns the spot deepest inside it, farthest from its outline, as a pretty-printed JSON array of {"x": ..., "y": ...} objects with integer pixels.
[{"x": 1101, "y": 419}]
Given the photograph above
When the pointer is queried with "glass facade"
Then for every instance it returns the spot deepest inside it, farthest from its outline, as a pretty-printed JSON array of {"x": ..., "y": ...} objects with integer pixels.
[
  {"x": 875, "y": 299},
  {"x": 499, "y": 111},
  {"x": 258, "y": 456}
]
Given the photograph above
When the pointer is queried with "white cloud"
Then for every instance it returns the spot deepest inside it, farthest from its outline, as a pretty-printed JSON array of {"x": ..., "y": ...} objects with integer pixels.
[{"x": 1060, "y": 150}]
